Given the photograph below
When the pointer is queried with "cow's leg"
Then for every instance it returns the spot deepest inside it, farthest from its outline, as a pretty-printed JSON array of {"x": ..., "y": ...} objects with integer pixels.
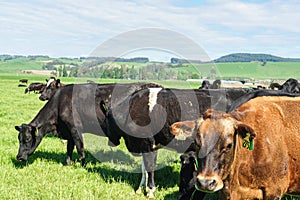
[
  {"x": 77, "y": 137},
  {"x": 144, "y": 180},
  {"x": 149, "y": 161},
  {"x": 70, "y": 148}
]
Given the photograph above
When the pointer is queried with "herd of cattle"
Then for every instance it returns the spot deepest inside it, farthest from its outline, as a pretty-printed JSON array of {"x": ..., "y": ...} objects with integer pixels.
[{"x": 214, "y": 129}]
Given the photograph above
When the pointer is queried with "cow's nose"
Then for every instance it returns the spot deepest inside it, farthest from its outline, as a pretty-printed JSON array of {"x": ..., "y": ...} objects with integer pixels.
[
  {"x": 207, "y": 184},
  {"x": 21, "y": 158},
  {"x": 42, "y": 98}
]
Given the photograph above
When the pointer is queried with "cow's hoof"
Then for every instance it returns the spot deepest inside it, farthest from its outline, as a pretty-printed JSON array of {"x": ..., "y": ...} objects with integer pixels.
[
  {"x": 151, "y": 193},
  {"x": 140, "y": 190}
]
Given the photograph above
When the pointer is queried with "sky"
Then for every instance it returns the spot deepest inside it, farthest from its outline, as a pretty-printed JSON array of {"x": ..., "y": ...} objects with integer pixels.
[{"x": 152, "y": 28}]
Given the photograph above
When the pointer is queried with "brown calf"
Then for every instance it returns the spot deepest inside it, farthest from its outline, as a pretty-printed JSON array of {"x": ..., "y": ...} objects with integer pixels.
[{"x": 230, "y": 161}]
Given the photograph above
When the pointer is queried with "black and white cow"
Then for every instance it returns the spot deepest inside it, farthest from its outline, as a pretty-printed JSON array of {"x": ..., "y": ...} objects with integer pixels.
[
  {"x": 143, "y": 120},
  {"x": 51, "y": 86},
  {"x": 72, "y": 110}
]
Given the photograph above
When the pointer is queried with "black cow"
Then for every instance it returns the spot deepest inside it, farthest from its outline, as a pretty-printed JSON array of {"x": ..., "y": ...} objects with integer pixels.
[
  {"x": 258, "y": 93},
  {"x": 143, "y": 120},
  {"x": 206, "y": 85},
  {"x": 23, "y": 81},
  {"x": 35, "y": 87},
  {"x": 72, "y": 110},
  {"x": 290, "y": 86},
  {"x": 188, "y": 173}
]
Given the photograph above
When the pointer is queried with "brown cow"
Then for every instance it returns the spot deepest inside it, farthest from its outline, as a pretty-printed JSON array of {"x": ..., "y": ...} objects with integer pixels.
[{"x": 270, "y": 170}]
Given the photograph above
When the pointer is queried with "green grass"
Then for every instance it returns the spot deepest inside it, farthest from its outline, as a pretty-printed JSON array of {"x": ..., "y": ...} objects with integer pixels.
[{"x": 247, "y": 70}]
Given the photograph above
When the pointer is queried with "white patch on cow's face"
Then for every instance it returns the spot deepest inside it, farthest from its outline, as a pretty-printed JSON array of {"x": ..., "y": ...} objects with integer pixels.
[
  {"x": 153, "y": 97},
  {"x": 228, "y": 127},
  {"x": 49, "y": 82}
]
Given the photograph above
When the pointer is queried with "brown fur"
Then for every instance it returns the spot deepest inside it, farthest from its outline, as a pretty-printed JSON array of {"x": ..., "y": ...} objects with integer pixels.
[{"x": 269, "y": 171}]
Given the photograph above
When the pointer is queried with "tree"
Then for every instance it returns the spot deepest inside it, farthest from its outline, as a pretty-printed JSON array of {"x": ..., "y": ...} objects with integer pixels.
[{"x": 64, "y": 71}]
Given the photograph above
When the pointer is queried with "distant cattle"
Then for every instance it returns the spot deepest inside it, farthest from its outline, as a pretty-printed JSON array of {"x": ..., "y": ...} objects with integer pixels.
[
  {"x": 229, "y": 159},
  {"x": 206, "y": 85},
  {"x": 52, "y": 85},
  {"x": 275, "y": 86},
  {"x": 23, "y": 81},
  {"x": 143, "y": 119},
  {"x": 258, "y": 93},
  {"x": 73, "y": 110},
  {"x": 291, "y": 86},
  {"x": 35, "y": 87}
]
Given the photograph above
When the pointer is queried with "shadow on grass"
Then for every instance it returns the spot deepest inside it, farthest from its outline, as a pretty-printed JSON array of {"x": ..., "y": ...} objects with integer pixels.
[
  {"x": 61, "y": 157},
  {"x": 108, "y": 173}
]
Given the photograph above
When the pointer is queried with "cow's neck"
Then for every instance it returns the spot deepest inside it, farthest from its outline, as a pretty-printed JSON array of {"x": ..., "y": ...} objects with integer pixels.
[{"x": 45, "y": 120}]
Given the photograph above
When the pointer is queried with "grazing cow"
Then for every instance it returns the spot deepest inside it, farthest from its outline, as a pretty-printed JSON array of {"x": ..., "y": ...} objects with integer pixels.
[
  {"x": 231, "y": 162},
  {"x": 72, "y": 110},
  {"x": 23, "y": 81},
  {"x": 143, "y": 120},
  {"x": 52, "y": 85},
  {"x": 35, "y": 87}
]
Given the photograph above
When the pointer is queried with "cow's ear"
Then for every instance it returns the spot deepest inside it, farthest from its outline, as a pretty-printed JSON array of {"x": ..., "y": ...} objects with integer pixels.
[
  {"x": 247, "y": 134},
  {"x": 18, "y": 128},
  {"x": 57, "y": 82},
  {"x": 185, "y": 129},
  {"x": 33, "y": 130}
]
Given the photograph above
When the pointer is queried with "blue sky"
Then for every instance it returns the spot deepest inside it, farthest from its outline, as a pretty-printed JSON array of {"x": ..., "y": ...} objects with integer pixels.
[{"x": 75, "y": 28}]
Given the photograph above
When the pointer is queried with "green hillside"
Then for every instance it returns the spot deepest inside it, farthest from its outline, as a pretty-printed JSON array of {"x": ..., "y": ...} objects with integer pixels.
[{"x": 103, "y": 69}]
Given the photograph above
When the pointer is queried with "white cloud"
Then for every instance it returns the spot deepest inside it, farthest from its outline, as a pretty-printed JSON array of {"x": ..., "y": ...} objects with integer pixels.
[{"x": 75, "y": 28}]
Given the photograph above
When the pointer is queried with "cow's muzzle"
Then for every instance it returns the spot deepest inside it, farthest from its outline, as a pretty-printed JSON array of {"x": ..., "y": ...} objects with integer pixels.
[
  {"x": 22, "y": 158},
  {"x": 209, "y": 185},
  {"x": 42, "y": 98}
]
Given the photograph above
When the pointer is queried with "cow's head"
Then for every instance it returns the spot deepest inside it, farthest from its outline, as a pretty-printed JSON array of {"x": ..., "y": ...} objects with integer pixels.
[
  {"x": 52, "y": 85},
  {"x": 217, "y": 134},
  {"x": 27, "y": 140}
]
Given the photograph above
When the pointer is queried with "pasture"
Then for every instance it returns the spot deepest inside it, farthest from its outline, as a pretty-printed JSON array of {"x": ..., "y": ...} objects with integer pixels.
[{"x": 110, "y": 173}]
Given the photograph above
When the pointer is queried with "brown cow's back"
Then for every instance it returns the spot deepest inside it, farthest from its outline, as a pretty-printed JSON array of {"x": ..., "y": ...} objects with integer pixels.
[{"x": 276, "y": 155}]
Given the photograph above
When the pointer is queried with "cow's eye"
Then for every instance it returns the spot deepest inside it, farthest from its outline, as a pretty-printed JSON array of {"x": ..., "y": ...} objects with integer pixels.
[
  {"x": 27, "y": 140},
  {"x": 229, "y": 146}
]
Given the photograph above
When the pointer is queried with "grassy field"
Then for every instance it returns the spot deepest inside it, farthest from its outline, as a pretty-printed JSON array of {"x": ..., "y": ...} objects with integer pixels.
[
  {"x": 236, "y": 70},
  {"x": 111, "y": 173},
  {"x": 247, "y": 70}
]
